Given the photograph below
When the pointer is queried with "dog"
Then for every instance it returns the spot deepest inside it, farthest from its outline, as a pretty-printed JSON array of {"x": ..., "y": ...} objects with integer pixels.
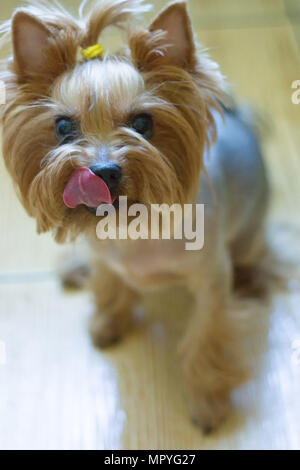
[{"x": 82, "y": 127}]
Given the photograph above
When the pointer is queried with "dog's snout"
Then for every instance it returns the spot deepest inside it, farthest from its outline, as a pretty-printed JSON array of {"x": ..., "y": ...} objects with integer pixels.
[{"x": 111, "y": 173}]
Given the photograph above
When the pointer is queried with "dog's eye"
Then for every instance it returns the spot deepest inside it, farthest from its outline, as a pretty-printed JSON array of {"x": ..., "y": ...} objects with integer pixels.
[
  {"x": 143, "y": 124},
  {"x": 65, "y": 129}
]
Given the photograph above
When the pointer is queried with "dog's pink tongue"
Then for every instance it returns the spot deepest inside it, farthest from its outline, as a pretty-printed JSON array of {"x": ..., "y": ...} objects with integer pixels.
[{"x": 84, "y": 187}]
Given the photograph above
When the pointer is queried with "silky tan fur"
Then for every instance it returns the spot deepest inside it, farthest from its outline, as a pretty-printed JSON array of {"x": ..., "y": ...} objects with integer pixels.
[{"x": 161, "y": 70}]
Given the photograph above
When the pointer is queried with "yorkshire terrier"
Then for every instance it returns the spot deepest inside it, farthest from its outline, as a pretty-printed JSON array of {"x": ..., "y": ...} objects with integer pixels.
[{"x": 82, "y": 127}]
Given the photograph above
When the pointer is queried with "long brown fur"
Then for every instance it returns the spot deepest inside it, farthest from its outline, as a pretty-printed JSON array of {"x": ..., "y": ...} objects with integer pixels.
[{"x": 181, "y": 87}]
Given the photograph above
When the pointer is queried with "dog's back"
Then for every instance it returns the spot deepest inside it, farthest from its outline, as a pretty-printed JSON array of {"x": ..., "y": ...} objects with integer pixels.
[{"x": 236, "y": 184}]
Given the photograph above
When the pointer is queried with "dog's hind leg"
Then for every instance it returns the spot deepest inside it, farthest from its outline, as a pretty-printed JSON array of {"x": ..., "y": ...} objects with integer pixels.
[
  {"x": 74, "y": 273},
  {"x": 249, "y": 252}
]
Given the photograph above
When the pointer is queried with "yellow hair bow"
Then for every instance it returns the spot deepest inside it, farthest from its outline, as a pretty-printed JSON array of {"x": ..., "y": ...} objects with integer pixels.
[{"x": 93, "y": 51}]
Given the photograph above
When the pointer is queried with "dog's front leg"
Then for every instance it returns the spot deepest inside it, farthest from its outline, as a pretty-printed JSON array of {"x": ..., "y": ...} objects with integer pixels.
[
  {"x": 114, "y": 302},
  {"x": 211, "y": 350}
]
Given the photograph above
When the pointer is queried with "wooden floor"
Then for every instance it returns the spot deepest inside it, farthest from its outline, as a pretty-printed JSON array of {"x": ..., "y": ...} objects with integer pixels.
[{"x": 57, "y": 392}]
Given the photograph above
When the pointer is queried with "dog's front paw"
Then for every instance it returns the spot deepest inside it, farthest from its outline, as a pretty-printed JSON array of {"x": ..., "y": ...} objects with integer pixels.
[
  {"x": 106, "y": 329},
  {"x": 209, "y": 411}
]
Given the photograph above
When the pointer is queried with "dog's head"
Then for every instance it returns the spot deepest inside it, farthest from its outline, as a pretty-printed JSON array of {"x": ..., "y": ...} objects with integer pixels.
[{"x": 81, "y": 131}]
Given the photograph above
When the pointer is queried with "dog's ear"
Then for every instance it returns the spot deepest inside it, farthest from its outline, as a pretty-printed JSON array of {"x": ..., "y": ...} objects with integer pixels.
[
  {"x": 174, "y": 20},
  {"x": 30, "y": 42},
  {"x": 41, "y": 50}
]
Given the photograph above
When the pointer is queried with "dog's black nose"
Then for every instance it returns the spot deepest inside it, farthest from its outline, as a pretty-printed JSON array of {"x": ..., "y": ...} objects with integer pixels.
[{"x": 111, "y": 174}]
